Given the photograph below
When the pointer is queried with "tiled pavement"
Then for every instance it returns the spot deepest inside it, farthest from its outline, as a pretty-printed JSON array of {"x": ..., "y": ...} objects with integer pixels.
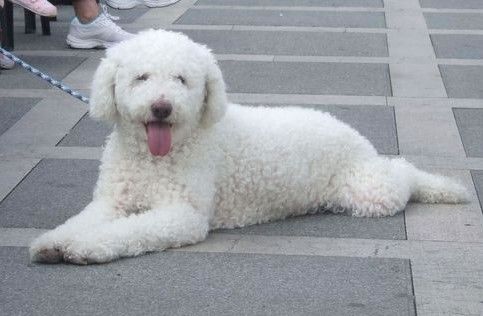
[{"x": 406, "y": 74}]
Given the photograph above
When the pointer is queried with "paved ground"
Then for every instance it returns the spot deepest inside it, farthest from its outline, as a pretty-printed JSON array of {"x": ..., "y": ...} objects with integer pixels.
[{"x": 406, "y": 74}]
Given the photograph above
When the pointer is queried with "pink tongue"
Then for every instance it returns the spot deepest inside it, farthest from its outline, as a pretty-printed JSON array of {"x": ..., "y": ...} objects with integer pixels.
[{"x": 159, "y": 138}]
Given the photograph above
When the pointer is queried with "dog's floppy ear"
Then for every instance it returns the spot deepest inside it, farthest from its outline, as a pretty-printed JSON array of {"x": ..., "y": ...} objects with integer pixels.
[
  {"x": 102, "y": 104},
  {"x": 215, "y": 98}
]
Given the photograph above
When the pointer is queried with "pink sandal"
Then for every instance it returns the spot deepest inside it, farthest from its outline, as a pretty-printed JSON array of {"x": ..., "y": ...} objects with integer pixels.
[{"x": 40, "y": 7}]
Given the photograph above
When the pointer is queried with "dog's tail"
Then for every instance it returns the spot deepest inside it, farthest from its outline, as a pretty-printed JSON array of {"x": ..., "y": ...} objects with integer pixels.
[{"x": 431, "y": 188}]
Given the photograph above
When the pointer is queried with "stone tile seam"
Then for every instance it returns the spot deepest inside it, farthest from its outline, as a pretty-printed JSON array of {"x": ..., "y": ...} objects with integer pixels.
[
  {"x": 459, "y": 11},
  {"x": 322, "y": 99},
  {"x": 32, "y": 93},
  {"x": 351, "y": 100},
  {"x": 413, "y": 291},
  {"x": 391, "y": 86},
  {"x": 288, "y": 8},
  {"x": 480, "y": 198},
  {"x": 331, "y": 9},
  {"x": 95, "y": 153},
  {"x": 455, "y": 32},
  {"x": 77, "y": 123},
  {"x": 24, "y": 176},
  {"x": 433, "y": 82},
  {"x": 354, "y": 247},
  {"x": 268, "y": 28},
  {"x": 459, "y": 130},
  {"x": 307, "y": 58}
]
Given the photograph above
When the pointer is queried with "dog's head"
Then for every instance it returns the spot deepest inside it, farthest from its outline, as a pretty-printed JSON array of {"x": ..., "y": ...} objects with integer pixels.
[{"x": 160, "y": 84}]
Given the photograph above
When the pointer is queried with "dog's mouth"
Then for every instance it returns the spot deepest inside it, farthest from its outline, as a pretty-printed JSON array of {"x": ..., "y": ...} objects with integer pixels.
[{"x": 159, "y": 137}]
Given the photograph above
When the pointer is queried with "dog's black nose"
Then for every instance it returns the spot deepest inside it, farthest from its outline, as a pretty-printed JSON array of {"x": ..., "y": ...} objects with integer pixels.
[{"x": 161, "y": 109}]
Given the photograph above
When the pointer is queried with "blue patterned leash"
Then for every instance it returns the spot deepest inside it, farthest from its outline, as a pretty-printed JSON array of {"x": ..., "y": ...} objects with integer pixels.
[{"x": 47, "y": 78}]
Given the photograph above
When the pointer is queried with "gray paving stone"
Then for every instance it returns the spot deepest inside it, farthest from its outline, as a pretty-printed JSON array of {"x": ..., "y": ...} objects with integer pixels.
[
  {"x": 86, "y": 133},
  {"x": 306, "y": 78},
  {"x": 37, "y": 41},
  {"x": 53, "y": 191},
  {"x": 12, "y": 109},
  {"x": 377, "y": 123},
  {"x": 458, "y": 46},
  {"x": 470, "y": 126},
  {"x": 452, "y": 4},
  {"x": 330, "y": 225},
  {"x": 283, "y": 18},
  {"x": 177, "y": 283},
  {"x": 292, "y": 43},
  {"x": 454, "y": 21},
  {"x": 296, "y": 3},
  {"x": 57, "y": 67},
  {"x": 462, "y": 81},
  {"x": 478, "y": 180}
]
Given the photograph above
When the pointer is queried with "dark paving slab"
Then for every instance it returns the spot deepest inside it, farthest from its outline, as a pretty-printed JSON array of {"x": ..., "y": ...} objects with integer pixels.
[
  {"x": 52, "y": 192},
  {"x": 377, "y": 123},
  {"x": 458, "y": 46},
  {"x": 86, "y": 133},
  {"x": 306, "y": 78},
  {"x": 330, "y": 225},
  {"x": 37, "y": 41},
  {"x": 296, "y": 3},
  {"x": 454, "y": 21},
  {"x": 452, "y": 4},
  {"x": 12, "y": 110},
  {"x": 462, "y": 81},
  {"x": 55, "y": 66},
  {"x": 470, "y": 126},
  {"x": 478, "y": 180},
  {"x": 282, "y": 18},
  {"x": 176, "y": 283},
  {"x": 292, "y": 43}
]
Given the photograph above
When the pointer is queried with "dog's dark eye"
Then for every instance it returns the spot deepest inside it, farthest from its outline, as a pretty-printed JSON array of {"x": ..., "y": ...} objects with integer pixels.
[
  {"x": 142, "y": 77},
  {"x": 181, "y": 79}
]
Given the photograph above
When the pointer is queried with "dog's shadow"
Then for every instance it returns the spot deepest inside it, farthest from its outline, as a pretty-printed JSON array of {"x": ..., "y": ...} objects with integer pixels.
[{"x": 329, "y": 225}]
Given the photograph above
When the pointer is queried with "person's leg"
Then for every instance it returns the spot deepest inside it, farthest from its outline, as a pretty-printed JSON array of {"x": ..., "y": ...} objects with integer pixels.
[
  {"x": 93, "y": 27},
  {"x": 86, "y": 10},
  {"x": 5, "y": 63}
]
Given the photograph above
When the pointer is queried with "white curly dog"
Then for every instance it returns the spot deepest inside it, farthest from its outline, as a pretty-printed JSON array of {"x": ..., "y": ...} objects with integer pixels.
[{"x": 181, "y": 160}]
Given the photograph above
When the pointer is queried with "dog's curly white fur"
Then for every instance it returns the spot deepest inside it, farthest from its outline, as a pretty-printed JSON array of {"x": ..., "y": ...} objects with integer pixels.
[{"x": 228, "y": 166}]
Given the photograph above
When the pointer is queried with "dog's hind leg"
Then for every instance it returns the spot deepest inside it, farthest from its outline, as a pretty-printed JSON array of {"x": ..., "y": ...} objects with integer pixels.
[
  {"x": 374, "y": 189},
  {"x": 383, "y": 187},
  {"x": 51, "y": 246},
  {"x": 153, "y": 230}
]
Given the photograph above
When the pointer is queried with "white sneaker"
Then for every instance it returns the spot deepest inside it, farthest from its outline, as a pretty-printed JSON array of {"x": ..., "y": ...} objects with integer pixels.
[
  {"x": 122, "y": 4},
  {"x": 6, "y": 63},
  {"x": 159, "y": 3},
  {"x": 100, "y": 33},
  {"x": 129, "y": 4}
]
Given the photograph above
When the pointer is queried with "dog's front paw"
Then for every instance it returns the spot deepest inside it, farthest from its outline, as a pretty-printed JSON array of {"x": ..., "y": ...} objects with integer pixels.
[
  {"x": 88, "y": 252},
  {"x": 46, "y": 249}
]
